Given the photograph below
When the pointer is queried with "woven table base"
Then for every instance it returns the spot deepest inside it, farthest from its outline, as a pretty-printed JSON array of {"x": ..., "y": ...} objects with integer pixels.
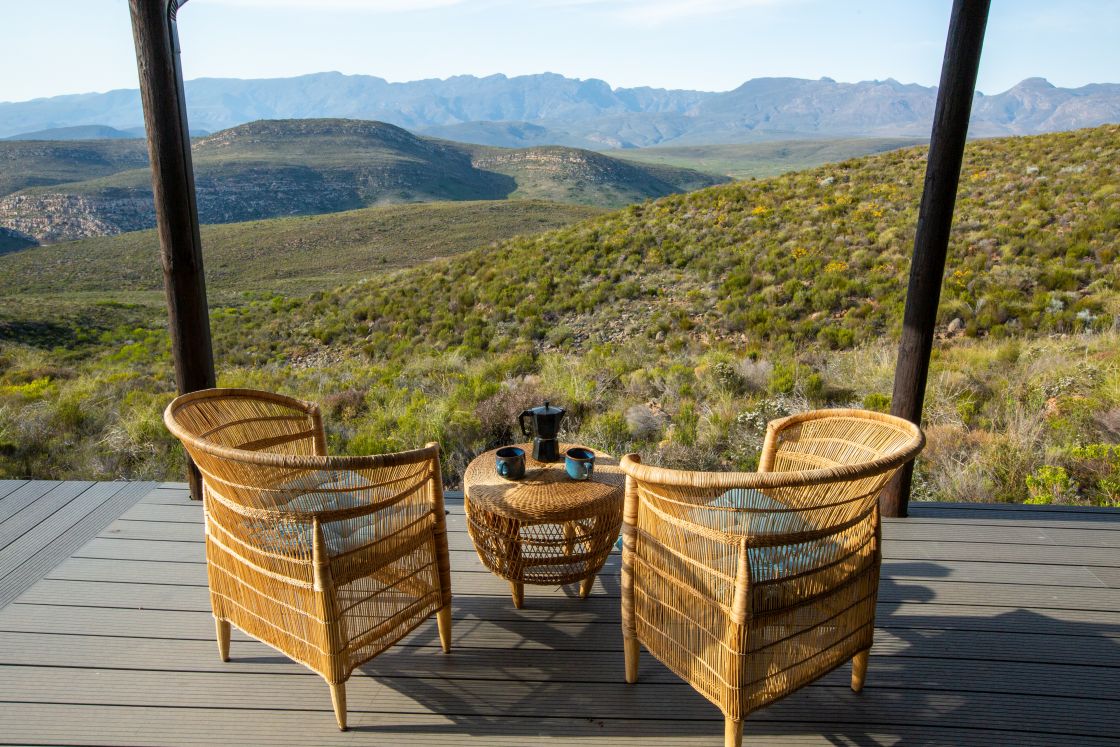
[{"x": 545, "y": 528}]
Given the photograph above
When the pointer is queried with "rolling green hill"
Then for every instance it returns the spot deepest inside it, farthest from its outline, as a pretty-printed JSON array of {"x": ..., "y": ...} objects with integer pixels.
[
  {"x": 309, "y": 166},
  {"x": 36, "y": 163},
  {"x": 816, "y": 257},
  {"x": 11, "y": 241},
  {"x": 675, "y": 328},
  {"x": 586, "y": 177},
  {"x": 296, "y": 255},
  {"x": 759, "y": 160}
]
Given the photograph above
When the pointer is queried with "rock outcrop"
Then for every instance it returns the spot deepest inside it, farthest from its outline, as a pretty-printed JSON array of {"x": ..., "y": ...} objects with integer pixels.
[{"x": 51, "y": 217}]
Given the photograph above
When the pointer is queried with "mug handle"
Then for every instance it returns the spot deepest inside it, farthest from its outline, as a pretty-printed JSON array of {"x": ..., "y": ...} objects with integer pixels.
[
  {"x": 503, "y": 469},
  {"x": 586, "y": 467},
  {"x": 525, "y": 430}
]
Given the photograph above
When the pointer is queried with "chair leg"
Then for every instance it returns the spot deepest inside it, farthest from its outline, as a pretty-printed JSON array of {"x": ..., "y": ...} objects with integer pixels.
[
  {"x": 732, "y": 733},
  {"x": 338, "y": 700},
  {"x": 585, "y": 586},
  {"x": 222, "y": 629},
  {"x": 859, "y": 669},
  {"x": 630, "y": 651},
  {"x": 518, "y": 589},
  {"x": 443, "y": 620}
]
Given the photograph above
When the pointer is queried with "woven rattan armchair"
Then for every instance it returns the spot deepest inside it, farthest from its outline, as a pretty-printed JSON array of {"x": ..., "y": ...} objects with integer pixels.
[
  {"x": 331, "y": 560},
  {"x": 751, "y": 585}
]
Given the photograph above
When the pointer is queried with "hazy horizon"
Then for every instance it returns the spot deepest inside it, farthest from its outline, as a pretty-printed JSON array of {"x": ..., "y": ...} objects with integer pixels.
[
  {"x": 547, "y": 72},
  {"x": 702, "y": 45}
]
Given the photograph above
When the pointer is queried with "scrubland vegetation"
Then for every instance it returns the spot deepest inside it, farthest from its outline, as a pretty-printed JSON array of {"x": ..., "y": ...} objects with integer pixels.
[{"x": 676, "y": 328}]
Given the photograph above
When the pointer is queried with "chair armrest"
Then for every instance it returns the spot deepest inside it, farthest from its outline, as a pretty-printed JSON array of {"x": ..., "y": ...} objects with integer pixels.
[
  {"x": 320, "y": 438},
  {"x": 769, "y": 446}
]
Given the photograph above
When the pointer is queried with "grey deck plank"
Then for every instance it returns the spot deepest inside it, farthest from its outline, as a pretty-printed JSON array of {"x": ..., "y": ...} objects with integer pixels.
[
  {"x": 471, "y": 697},
  {"x": 48, "y": 724},
  {"x": 1011, "y": 553},
  {"x": 474, "y": 584},
  {"x": 39, "y": 510},
  {"x": 24, "y": 495},
  {"x": 1082, "y": 646},
  {"x": 524, "y": 664},
  {"x": 171, "y": 494},
  {"x": 8, "y": 486},
  {"x": 56, "y": 537},
  {"x": 165, "y": 512},
  {"x": 1110, "y": 577},
  {"x": 87, "y": 569},
  {"x": 892, "y": 549},
  {"x": 555, "y": 609},
  {"x": 71, "y": 501},
  {"x": 191, "y": 531},
  {"x": 1015, "y": 519},
  {"x": 1101, "y": 534},
  {"x": 920, "y": 508},
  {"x": 949, "y": 544}
]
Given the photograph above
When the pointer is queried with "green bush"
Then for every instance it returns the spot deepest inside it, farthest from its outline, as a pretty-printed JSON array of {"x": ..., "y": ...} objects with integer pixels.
[{"x": 1050, "y": 484}]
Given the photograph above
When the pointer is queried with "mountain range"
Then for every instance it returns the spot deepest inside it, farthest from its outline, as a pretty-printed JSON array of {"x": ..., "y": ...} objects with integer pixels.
[{"x": 552, "y": 109}]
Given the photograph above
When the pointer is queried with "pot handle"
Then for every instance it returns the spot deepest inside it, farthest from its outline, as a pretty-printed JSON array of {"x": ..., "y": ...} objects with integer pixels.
[{"x": 525, "y": 429}]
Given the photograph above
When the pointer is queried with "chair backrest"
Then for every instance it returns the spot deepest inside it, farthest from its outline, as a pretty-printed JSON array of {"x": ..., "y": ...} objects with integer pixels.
[
  {"x": 263, "y": 462},
  {"x": 834, "y": 438},
  {"x": 248, "y": 420},
  {"x": 800, "y": 525}
]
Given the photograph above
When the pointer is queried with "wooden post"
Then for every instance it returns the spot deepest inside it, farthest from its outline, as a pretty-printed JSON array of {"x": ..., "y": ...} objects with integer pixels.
[
  {"x": 935, "y": 219},
  {"x": 169, "y": 147}
]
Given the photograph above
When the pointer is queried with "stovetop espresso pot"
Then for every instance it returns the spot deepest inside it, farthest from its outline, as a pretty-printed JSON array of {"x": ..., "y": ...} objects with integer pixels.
[{"x": 543, "y": 425}]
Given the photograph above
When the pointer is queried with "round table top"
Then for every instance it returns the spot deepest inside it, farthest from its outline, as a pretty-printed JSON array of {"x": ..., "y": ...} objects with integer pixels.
[{"x": 546, "y": 493}]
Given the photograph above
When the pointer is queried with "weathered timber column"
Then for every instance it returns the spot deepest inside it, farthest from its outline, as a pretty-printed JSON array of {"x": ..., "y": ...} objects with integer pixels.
[
  {"x": 935, "y": 219},
  {"x": 169, "y": 146}
]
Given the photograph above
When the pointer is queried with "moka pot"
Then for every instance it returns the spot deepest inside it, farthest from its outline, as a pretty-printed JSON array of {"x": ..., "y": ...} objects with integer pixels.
[{"x": 543, "y": 425}]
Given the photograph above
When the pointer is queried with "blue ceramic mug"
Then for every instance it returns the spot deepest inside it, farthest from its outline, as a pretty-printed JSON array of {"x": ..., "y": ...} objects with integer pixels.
[
  {"x": 510, "y": 462},
  {"x": 579, "y": 463}
]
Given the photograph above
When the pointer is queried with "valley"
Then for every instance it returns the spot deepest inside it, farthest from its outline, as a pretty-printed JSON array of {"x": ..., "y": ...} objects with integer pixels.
[
  {"x": 295, "y": 255},
  {"x": 58, "y": 191},
  {"x": 759, "y": 160}
]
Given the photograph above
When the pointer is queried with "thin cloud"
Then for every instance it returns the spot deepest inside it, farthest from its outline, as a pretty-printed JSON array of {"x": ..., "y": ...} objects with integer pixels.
[
  {"x": 641, "y": 12},
  {"x": 658, "y": 12},
  {"x": 363, "y": 6}
]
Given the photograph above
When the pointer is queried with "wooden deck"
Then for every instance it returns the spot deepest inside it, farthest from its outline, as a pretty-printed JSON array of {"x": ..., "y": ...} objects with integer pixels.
[{"x": 997, "y": 625}]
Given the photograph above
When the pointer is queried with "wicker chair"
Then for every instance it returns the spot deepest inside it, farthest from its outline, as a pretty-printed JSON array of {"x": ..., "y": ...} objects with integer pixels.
[
  {"x": 751, "y": 585},
  {"x": 330, "y": 560}
]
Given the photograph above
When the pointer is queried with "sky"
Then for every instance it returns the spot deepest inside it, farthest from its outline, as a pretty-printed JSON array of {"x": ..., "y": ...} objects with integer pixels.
[{"x": 79, "y": 46}]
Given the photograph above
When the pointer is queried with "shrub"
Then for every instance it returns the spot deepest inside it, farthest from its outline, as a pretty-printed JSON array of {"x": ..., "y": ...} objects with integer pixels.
[
  {"x": 645, "y": 424},
  {"x": 498, "y": 414},
  {"x": 783, "y": 378},
  {"x": 877, "y": 401},
  {"x": 1050, "y": 484}
]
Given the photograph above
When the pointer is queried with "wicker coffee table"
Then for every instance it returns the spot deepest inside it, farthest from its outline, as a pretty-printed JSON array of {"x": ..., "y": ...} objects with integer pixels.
[{"x": 546, "y": 528}]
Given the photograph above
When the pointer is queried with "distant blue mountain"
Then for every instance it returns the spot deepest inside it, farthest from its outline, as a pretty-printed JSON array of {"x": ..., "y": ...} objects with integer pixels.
[
  {"x": 79, "y": 132},
  {"x": 550, "y": 108}
]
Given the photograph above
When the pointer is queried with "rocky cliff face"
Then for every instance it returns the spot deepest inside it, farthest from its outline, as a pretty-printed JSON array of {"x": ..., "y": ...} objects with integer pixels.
[
  {"x": 559, "y": 163},
  {"x": 250, "y": 194},
  {"x": 52, "y": 217}
]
